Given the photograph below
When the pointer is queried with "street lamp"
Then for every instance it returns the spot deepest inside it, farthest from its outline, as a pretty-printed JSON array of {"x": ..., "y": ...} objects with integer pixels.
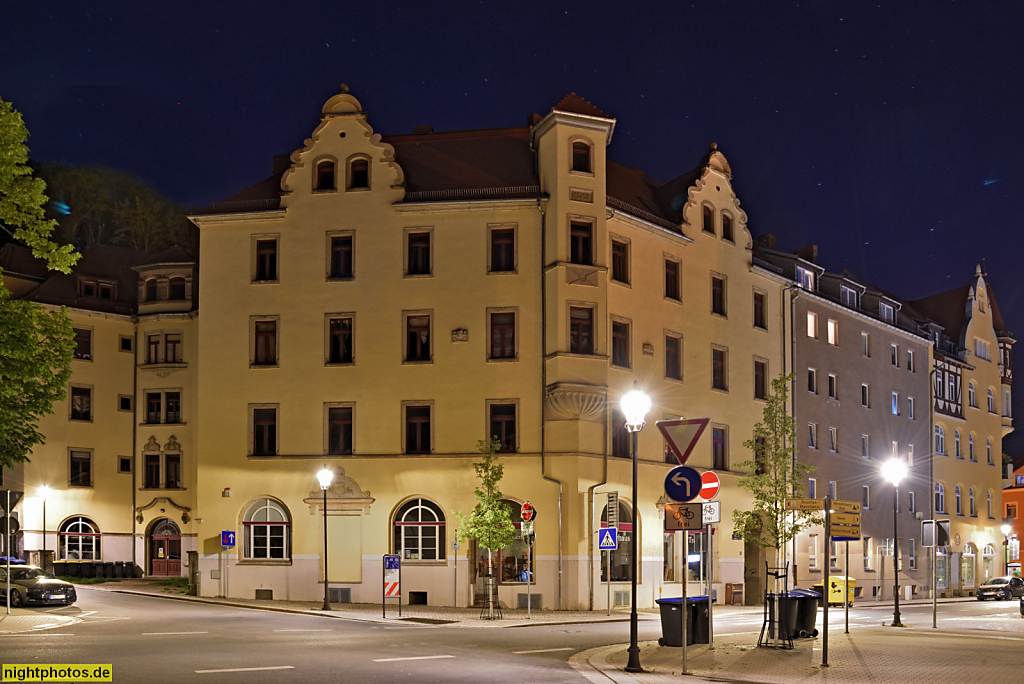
[
  {"x": 635, "y": 405},
  {"x": 894, "y": 470},
  {"x": 44, "y": 493},
  {"x": 1005, "y": 529},
  {"x": 325, "y": 477}
]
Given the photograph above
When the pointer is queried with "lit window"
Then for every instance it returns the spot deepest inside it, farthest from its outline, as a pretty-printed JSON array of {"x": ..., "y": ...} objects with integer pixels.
[
  {"x": 833, "y": 332},
  {"x": 79, "y": 539},
  {"x": 812, "y": 324}
]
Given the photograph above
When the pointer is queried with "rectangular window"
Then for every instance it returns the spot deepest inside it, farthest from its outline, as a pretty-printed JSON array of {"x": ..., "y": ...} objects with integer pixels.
[
  {"x": 719, "y": 449},
  {"x": 812, "y": 435},
  {"x": 339, "y": 340},
  {"x": 341, "y": 256},
  {"x": 832, "y": 489},
  {"x": 848, "y": 296},
  {"x": 910, "y": 455},
  {"x": 172, "y": 348},
  {"x": 865, "y": 396},
  {"x": 709, "y": 219},
  {"x": 153, "y": 349},
  {"x": 81, "y": 403},
  {"x": 80, "y": 473},
  {"x": 727, "y": 227},
  {"x": 812, "y": 380},
  {"x": 620, "y": 344},
  {"x": 910, "y": 360},
  {"x": 264, "y": 431},
  {"x": 620, "y": 261},
  {"x": 833, "y": 332},
  {"x": 580, "y": 243},
  {"x": 760, "y": 315},
  {"x": 833, "y": 386},
  {"x": 865, "y": 446},
  {"x": 419, "y": 254},
  {"x": 910, "y": 408},
  {"x": 805, "y": 278},
  {"x": 812, "y": 552},
  {"x": 913, "y": 553},
  {"x": 172, "y": 471},
  {"x": 581, "y": 330},
  {"x": 911, "y": 502},
  {"x": 503, "y": 426},
  {"x": 503, "y": 249},
  {"x": 833, "y": 439},
  {"x": 620, "y": 435},
  {"x": 895, "y": 355},
  {"x": 154, "y": 407},
  {"x": 866, "y": 541},
  {"x": 673, "y": 357},
  {"x": 417, "y": 429},
  {"x": 83, "y": 344},
  {"x": 895, "y": 449},
  {"x": 151, "y": 471},
  {"x": 812, "y": 324},
  {"x": 865, "y": 344},
  {"x": 895, "y": 403},
  {"x": 672, "y": 279},
  {"x": 719, "y": 369},
  {"x": 760, "y": 379},
  {"x": 265, "y": 343},
  {"x": 718, "y": 295},
  {"x": 865, "y": 500},
  {"x": 266, "y": 260},
  {"x": 124, "y": 403},
  {"x": 417, "y": 338},
  {"x": 339, "y": 430},
  {"x": 886, "y": 311},
  {"x": 812, "y": 488},
  {"x": 173, "y": 400},
  {"x": 126, "y": 343},
  {"x": 503, "y": 335}
]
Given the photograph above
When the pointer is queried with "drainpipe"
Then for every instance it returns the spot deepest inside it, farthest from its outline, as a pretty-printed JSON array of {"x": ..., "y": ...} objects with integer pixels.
[
  {"x": 932, "y": 559},
  {"x": 544, "y": 385},
  {"x": 792, "y": 391},
  {"x": 135, "y": 413}
]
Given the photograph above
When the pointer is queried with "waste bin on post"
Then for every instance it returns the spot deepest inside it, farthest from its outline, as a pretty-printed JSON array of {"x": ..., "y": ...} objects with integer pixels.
[{"x": 806, "y": 612}]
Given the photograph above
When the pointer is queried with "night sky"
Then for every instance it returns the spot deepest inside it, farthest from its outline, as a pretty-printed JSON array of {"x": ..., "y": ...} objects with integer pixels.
[{"x": 890, "y": 134}]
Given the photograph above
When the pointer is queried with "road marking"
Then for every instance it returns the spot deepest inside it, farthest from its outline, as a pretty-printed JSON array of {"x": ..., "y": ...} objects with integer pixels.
[
  {"x": 395, "y": 660},
  {"x": 247, "y": 669},
  {"x": 544, "y": 650},
  {"x": 35, "y": 634},
  {"x": 170, "y": 633},
  {"x": 302, "y": 630}
]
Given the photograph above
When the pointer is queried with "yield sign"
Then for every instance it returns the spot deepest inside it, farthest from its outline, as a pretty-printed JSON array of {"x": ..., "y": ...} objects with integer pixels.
[
  {"x": 682, "y": 435},
  {"x": 709, "y": 485}
]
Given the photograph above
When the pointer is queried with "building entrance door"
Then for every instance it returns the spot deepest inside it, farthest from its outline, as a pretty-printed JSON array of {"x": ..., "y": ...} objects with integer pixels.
[{"x": 165, "y": 549}]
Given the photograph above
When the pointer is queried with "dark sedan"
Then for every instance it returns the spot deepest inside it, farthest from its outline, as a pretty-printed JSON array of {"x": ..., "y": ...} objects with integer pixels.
[
  {"x": 1000, "y": 588},
  {"x": 31, "y": 585}
]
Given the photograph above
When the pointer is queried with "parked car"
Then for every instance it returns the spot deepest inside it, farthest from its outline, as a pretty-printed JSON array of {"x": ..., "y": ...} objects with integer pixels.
[
  {"x": 31, "y": 584},
  {"x": 1000, "y": 588}
]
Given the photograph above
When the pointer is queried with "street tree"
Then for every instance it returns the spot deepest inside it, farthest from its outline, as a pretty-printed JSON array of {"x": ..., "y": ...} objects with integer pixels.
[
  {"x": 489, "y": 524},
  {"x": 36, "y": 344},
  {"x": 773, "y": 475}
]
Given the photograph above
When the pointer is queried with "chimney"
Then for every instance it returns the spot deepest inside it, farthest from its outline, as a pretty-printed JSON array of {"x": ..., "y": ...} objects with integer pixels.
[
  {"x": 767, "y": 240},
  {"x": 808, "y": 253}
]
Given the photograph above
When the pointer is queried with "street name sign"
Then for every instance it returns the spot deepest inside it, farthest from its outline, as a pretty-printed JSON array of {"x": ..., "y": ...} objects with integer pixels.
[
  {"x": 844, "y": 531},
  {"x": 845, "y": 518},
  {"x": 683, "y": 484},
  {"x": 845, "y": 506},
  {"x": 682, "y": 434},
  {"x": 805, "y": 504},
  {"x": 608, "y": 538},
  {"x": 710, "y": 484},
  {"x": 711, "y": 512},
  {"x": 683, "y": 516}
]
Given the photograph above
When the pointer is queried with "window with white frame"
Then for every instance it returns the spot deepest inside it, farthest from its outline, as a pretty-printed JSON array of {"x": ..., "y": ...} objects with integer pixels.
[
  {"x": 865, "y": 344},
  {"x": 812, "y": 435},
  {"x": 78, "y": 539},
  {"x": 991, "y": 401},
  {"x": 833, "y": 332},
  {"x": 833, "y": 386},
  {"x": 812, "y": 488},
  {"x": 895, "y": 403},
  {"x": 913, "y": 553},
  {"x": 848, "y": 296},
  {"x": 267, "y": 531},
  {"x": 865, "y": 446},
  {"x": 894, "y": 356},
  {"x": 895, "y": 449},
  {"x": 832, "y": 489},
  {"x": 910, "y": 408},
  {"x": 981, "y": 349},
  {"x": 970, "y": 447},
  {"x": 940, "y": 440},
  {"x": 988, "y": 450},
  {"x": 972, "y": 508},
  {"x": 812, "y": 552},
  {"x": 956, "y": 444},
  {"x": 833, "y": 439},
  {"x": 865, "y": 396},
  {"x": 812, "y": 324},
  {"x": 910, "y": 361},
  {"x": 972, "y": 395},
  {"x": 865, "y": 500},
  {"x": 812, "y": 380},
  {"x": 805, "y": 278},
  {"x": 910, "y": 455},
  {"x": 911, "y": 502},
  {"x": 988, "y": 504},
  {"x": 940, "y": 498},
  {"x": 887, "y": 312},
  {"x": 958, "y": 503},
  {"x": 866, "y": 541},
  {"x": 419, "y": 531}
]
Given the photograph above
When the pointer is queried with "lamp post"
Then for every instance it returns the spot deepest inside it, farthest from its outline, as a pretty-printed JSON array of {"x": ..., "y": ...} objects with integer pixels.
[
  {"x": 325, "y": 477},
  {"x": 635, "y": 405},
  {"x": 894, "y": 470},
  {"x": 44, "y": 493},
  {"x": 1005, "y": 529}
]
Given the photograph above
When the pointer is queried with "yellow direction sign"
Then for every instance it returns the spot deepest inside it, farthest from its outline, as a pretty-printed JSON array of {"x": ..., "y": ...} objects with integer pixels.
[
  {"x": 846, "y": 506},
  {"x": 805, "y": 504},
  {"x": 844, "y": 531},
  {"x": 845, "y": 518}
]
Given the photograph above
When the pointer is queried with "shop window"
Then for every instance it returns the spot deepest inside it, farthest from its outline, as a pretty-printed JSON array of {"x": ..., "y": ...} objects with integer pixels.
[
  {"x": 266, "y": 529},
  {"x": 419, "y": 531},
  {"x": 79, "y": 539}
]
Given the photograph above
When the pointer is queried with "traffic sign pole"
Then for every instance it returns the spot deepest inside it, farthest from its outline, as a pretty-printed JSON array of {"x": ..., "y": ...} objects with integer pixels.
[{"x": 825, "y": 588}]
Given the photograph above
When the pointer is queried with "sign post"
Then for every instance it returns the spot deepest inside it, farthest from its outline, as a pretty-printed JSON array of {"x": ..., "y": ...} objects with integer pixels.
[
  {"x": 711, "y": 513},
  {"x": 392, "y": 582},
  {"x": 227, "y": 541},
  {"x": 613, "y": 523},
  {"x": 528, "y": 514},
  {"x": 608, "y": 541}
]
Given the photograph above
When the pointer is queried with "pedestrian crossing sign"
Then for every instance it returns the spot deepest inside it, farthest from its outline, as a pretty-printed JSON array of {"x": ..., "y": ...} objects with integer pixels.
[{"x": 608, "y": 538}]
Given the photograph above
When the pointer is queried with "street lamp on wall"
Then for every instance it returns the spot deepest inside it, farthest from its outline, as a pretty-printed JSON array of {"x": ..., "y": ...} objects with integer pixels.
[
  {"x": 325, "y": 477},
  {"x": 635, "y": 404},
  {"x": 894, "y": 470},
  {"x": 44, "y": 494},
  {"x": 1005, "y": 529}
]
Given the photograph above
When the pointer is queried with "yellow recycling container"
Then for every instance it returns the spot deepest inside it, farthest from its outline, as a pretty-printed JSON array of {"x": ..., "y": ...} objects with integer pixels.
[{"x": 836, "y": 584}]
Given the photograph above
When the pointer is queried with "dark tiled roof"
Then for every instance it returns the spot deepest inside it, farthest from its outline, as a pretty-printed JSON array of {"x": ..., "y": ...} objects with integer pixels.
[
  {"x": 100, "y": 262},
  {"x": 997, "y": 316},
  {"x": 948, "y": 309},
  {"x": 18, "y": 260},
  {"x": 173, "y": 255},
  {"x": 574, "y": 104}
]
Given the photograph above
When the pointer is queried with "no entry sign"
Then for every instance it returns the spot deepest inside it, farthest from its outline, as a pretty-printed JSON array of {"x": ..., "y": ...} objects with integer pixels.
[{"x": 709, "y": 485}]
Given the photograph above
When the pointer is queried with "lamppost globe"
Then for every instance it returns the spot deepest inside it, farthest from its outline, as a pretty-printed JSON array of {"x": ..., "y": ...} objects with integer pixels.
[
  {"x": 894, "y": 471},
  {"x": 635, "y": 404},
  {"x": 1005, "y": 529},
  {"x": 44, "y": 492},
  {"x": 325, "y": 477}
]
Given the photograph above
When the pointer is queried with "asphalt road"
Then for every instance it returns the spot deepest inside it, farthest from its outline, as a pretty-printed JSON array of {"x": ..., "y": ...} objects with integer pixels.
[{"x": 151, "y": 639}]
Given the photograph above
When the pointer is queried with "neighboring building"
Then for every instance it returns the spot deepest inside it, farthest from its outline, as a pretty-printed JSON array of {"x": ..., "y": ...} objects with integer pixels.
[
  {"x": 1012, "y": 505},
  {"x": 118, "y": 467}
]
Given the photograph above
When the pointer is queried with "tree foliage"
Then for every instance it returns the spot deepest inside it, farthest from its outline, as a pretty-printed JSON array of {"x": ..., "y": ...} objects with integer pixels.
[
  {"x": 490, "y": 523},
  {"x": 772, "y": 476},
  {"x": 36, "y": 344}
]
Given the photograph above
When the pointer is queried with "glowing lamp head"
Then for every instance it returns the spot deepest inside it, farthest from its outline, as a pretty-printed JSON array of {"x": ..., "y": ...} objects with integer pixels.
[
  {"x": 44, "y": 492},
  {"x": 635, "y": 404},
  {"x": 1005, "y": 529},
  {"x": 894, "y": 470},
  {"x": 325, "y": 476}
]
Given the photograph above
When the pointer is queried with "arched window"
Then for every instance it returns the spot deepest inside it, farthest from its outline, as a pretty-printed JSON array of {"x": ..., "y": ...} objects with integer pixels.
[
  {"x": 991, "y": 401},
  {"x": 708, "y": 214},
  {"x": 177, "y": 288},
  {"x": 325, "y": 175},
  {"x": 79, "y": 539},
  {"x": 940, "y": 498},
  {"x": 967, "y": 565},
  {"x": 727, "y": 232},
  {"x": 621, "y": 571},
  {"x": 956, "y": 444},
  {"x": 267, "y": 530},
  {"x": 958, "y": 503},
  {"x": 988, "y": 450},
  {"x": 970, "y": 447},
  {"x": 970, "y": 503},
  {"x": 510, "y": 562},
  {"x": 359, "y": 173},
  {"x": 581, "y": 157},
  {"x": 419, "y": 531},
  {"x": 940, "y": 440},
  {"x": 972, "y": 397},
  {"x": 988, "y": 556},
  {"x": 151, "y": 290}
]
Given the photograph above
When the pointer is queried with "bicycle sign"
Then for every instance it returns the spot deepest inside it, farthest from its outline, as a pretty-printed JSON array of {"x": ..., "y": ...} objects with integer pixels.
[{"x": 683, "y": 517}]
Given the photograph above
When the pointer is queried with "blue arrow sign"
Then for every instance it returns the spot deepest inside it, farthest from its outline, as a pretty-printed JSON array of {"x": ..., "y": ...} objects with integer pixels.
[
  {"x": 608, "y": 538},
  {"x": 683, "y": 484},
  {"x": 227, "y": 539}
]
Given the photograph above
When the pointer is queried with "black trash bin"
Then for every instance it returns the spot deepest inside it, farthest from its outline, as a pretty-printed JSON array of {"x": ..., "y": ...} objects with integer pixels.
[
  {"x": 86, "y": 569},
  {"x": 108, "y": 569},
  {"x": 698, "y": 627},
  {"x": 119, "y": 569},
  {"x": 819, "y": 589},
  {"x": 60, "y": 568},
  {"x": 806, "y": 612},
  {"x": 787, "y": 615}
]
